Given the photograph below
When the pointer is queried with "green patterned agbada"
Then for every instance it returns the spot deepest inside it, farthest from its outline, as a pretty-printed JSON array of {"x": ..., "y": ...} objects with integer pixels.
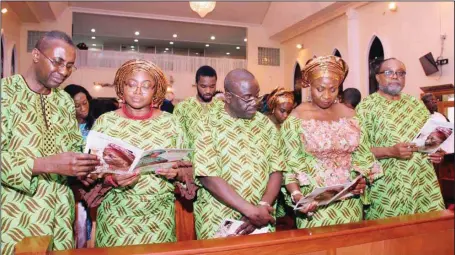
[
  {"x": 190, "y": 112},
  {"x": 144, "y": 213},
  {"x": 242, "y": 152},
  {"x": 42, "y": 204},
  {"x": 409, "y": 186},
  {"x": 326, "y": 153}
]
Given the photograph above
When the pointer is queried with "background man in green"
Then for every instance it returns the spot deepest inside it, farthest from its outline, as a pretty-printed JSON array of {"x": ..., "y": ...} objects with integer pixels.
[
  {"x": 392, "y": 119},
  {"x": 190, "y": 111},
  {"x": 39, "y": 139},
  {"x": 237, "y": 160}
]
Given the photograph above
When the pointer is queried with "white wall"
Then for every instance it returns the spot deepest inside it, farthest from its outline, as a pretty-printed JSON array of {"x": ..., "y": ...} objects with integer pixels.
[
  {"x": 11, "y": 34},
  {"x": 63, "y": 23},
  {"x": 407, "y": 34},
  {"x": 268, "y": 77}
]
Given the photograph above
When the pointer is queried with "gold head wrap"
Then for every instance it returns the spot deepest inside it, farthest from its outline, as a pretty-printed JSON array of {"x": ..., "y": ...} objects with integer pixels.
[
  {"x": 136, "y": 65},
  {"x": 279, "y": 96},
  {"x": 325, "y": 66}
]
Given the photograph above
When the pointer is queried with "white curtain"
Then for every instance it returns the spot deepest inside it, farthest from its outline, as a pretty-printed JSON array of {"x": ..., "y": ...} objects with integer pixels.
[{"x": 172, "y": 63}]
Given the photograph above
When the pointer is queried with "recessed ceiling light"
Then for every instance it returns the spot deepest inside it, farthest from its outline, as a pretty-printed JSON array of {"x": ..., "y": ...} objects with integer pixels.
[
  {"x": 94, "y": 45},
  {"x": 237, "y": 47},
  {"x": 197, "y": 53},
  {"x": 227, "y": 53},
  {"x": 212, "y": 37},
  {"x": 4, "y": 10},
  {"x": 174, "y": 35},
  {"x": 93, "y": 30},
  {"x": 136, "y": 40},
  {"x": 299, "y": 46},
  {"x": 171, "y": 43},
  {"x": 136, "y": 33},
  {"x": 167, "y": 48},
  {"x": 245, "y": 40},
  {"x": 165, "y": 51},
  {"x": 93, "y": 37},
  {"x": 132, "y": 47},
  {"x": 207, "y": 45}
]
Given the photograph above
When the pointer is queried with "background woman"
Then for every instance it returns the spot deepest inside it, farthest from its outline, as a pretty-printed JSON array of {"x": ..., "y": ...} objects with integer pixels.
[
  {"x": 82, "y": 101},
  {"x": 322, "y": 144}
]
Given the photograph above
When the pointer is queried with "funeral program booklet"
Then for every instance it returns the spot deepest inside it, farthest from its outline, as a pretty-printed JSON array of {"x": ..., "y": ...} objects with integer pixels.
[
  {"x": 432, "y": 135},
  {"x": 326, "y": 195},
  {"x": 229, "y": 226},
  {"x": 119, "y": 157}
]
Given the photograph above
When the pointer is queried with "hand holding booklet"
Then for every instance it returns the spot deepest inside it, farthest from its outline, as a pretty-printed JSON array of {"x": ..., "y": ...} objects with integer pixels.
[
  {"x": 432, "y": 135},
  {"x": 229, "y": 226},
  {"x": 119, "y": 157},
  {"x": 326, "y": 195}
]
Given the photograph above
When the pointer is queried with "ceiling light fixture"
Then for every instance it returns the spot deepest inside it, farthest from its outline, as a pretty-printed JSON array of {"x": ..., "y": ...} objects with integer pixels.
[
  {"x": 174, "y": 35},
  {"x": 171, "y": 43},
  {"x": 93, "y": 30},
  {"x": 212, "y": 37},
  {"x": 132, "y": 47},
  {"x": 393, "y": 6},
  {"x": 137, "y": 33},
  {"x": 202, "y": 8},
  {"x": 299, "y": 46},
  {"x": 237, "y": 47},
  {"x": 94, "y": 45},
  {"x": 227, "y": 53},
  {"x": 197, "y": 53},
  {"x": 4, "y": 10},
  {"x": 93, "y": 37},
  {"x": 167, "y": 48},
  {"x": 245, "y": 40},
  {"x": 207, "y": 45},
  {"x": 136, "y": 40}
]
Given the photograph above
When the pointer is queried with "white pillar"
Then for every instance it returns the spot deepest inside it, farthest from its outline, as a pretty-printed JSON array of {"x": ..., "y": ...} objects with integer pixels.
[{"x": 354, "y": 78}]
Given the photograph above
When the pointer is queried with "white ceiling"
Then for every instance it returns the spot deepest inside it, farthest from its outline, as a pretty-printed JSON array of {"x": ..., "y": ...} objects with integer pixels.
[{"x": 240, "y": 12}]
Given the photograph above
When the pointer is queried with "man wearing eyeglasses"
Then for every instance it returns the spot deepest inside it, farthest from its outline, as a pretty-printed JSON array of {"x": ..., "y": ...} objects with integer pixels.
[
  {"x": 237, "y": 161},
  {"x": 392, "y": 119},
  {"x": 39, "y": 139}
]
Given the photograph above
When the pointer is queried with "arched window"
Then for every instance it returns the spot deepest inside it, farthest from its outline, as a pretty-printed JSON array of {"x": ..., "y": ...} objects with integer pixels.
[
  {"x": 298, "y": 84},
  {"x": 13, "y": 61},
  {"x": 376, "y": 53}
]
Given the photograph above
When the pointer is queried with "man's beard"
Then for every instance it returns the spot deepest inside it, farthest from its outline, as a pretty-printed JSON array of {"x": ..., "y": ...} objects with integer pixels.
[
  {"x": 203, "y": 99},
  {"x": 391, "y": 89}
]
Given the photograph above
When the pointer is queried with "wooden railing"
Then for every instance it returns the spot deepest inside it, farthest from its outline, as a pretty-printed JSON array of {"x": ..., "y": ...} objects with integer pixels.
[{"x": 430, "y": 233}]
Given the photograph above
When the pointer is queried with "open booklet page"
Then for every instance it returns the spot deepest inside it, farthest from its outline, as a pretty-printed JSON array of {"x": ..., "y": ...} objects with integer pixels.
[
  {"x": 119, "y": 157},
  {"x": 326, "y": 195},
  {"x": 229, "y": 226},
  {"x": 432, "y": 135}
]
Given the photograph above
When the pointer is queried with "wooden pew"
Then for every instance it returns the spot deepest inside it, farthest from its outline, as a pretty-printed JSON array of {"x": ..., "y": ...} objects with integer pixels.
[{"x": 430, "y": 233}]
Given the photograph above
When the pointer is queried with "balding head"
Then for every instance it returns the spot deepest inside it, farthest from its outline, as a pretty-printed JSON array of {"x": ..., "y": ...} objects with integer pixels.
[
  {"x": 242, "y": 91},
  {"x": 235, "y": 77}
]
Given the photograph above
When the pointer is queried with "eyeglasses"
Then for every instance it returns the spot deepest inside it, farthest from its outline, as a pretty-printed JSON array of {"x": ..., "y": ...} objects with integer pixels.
[
  {"x": 146, "y": 86},
  {"x": 59, "y": 64},
  {"x": 255, "y": 99},
  {"x": 390, "y": 73}
]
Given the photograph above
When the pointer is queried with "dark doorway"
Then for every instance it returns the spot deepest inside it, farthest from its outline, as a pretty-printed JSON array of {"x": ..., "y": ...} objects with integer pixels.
[
  {"x": 3, "y": 56},
  {"x": 298, "y": 84},
  {"x": 376, "y": 54}
]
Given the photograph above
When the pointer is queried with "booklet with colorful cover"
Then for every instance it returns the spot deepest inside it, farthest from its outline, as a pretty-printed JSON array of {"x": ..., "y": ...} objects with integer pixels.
[
  {"x": 432, "y": 135},
  {"x": 120, "y": 157},
  {"x": 229, "y": 226},
  {"x": 326, "y": 195}
]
